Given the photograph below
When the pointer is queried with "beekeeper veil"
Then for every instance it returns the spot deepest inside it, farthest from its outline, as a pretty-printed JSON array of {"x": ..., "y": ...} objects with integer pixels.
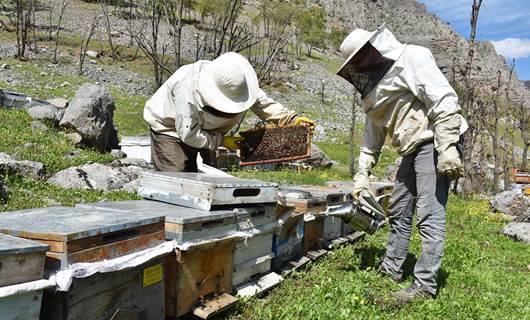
[{"x": 368, "y": 57}]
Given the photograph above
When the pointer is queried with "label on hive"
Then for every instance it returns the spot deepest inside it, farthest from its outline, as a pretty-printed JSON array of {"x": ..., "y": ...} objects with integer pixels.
[{"x": 153, "y": 275}]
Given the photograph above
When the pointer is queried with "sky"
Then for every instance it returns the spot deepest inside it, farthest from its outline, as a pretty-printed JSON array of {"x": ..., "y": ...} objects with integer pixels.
[{"x": 506, "y": 23}]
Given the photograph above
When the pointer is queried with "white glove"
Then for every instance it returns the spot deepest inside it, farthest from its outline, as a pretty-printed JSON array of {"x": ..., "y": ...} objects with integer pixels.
[
  {"x": 361, "y": 181},
  {"x": 449, "y": 162}
]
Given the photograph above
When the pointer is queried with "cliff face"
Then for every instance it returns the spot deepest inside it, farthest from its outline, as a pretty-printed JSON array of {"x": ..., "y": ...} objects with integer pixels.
[{"x": 412, "y": 24}]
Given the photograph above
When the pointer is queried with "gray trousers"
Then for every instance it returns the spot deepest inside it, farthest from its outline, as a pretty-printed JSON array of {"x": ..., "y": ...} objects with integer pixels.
[{"x": 419, "y": 188}]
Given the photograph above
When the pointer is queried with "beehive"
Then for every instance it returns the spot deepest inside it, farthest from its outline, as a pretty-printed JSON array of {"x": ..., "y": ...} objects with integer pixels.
[
  {"x": 181, "y": 224},
  {"x": 84, "y": 235},
  {"x": 21, "y": 263},
  {"x": 203, "y": 191}
]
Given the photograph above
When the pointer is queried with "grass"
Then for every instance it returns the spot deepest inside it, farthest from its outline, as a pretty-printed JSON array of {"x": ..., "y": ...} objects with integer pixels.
[
  {"x": 28, "y": 193},
  {"x": 484, "y": 276},
  {"x": 47, "y": 147}
]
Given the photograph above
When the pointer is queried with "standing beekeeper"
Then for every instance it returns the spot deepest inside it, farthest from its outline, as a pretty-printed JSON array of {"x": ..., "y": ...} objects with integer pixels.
[
  {"x": 200, "y": 103},
  {"x": 407, "y": 98}
]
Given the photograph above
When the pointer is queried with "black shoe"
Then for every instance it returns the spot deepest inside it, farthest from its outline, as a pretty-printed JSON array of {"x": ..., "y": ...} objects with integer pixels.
[
  {"x": 398, "y": 278},
  {"x": 414, "y": 292}
]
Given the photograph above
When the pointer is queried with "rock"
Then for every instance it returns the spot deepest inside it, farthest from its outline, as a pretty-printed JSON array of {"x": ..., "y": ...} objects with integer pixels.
[
  {"x": 319, "y": 133},
  {"x": 37, "y": 126},
  {"x": 318, "y": 158},
  {"x": 131, "y": 186},
  {"x": 74, "y": 137},
  {"x": 96, "y": 176},
  {"x": 518, "y": 230},
  {"x": 118, "y": 153},
  {"x": 44, "y": 74},
  {"x": 46, "y": 112},
  {"x": 5, "y": 66},
  {"x": 114, "y": 34},
  {"x": 28, "y": 145},
  {"x": 25, "y": 168},
  {"x": 92, "y": 54},
  {"x": 60, "y": 103},
  {"x": 513, "y": 203},
  {"x": 137, "y": 162},
  {"x": 90, "y": 113},
  {"x": 290, "y": 85},
  {"x": 65, "y": 84}
]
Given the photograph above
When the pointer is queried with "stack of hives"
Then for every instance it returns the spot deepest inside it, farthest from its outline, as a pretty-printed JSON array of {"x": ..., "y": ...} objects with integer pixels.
[
  {"x": 21, "y": 277},
  {"x": 78, "y": 241},
  {"x": 190, "y": 247},
  {"x": 233, "y": 221}
]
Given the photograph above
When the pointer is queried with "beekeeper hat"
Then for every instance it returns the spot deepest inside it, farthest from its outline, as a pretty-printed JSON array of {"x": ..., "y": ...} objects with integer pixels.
[
  {"x": 229, "y": 83},
  {"x": 353, "y": 43}
]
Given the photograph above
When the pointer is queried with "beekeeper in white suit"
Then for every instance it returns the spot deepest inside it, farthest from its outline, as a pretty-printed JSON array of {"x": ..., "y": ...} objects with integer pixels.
[
  {"x": 407, "y": 98},
  {"x": 200, "y": 103}
]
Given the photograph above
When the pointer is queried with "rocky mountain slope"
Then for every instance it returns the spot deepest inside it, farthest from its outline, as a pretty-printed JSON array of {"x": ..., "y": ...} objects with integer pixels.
[{"x": 410, "y": 21}]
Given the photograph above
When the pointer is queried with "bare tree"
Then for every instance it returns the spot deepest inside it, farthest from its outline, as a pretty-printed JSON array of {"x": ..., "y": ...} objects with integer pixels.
[
  {"x": 507, "y": 132},
  {"x": 145, "y": 33},
  {"x": 64, "y": 4},
  {"x": 23, "y": 9},
  {"x": 524, "y": 127},
  {"x": 85, "y": 41},
  {"x": 469, "y": 102},
  {"x": 173, "y": 13},
  {"x": 105, "y": 9},
  {"x": 323, "y": 85}
]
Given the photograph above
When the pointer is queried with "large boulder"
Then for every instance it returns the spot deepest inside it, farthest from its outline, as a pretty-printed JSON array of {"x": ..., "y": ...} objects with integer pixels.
[
  {"x": 45, "y": 112},
  {"x": 318, "y": 158},
  {"x": 518, "y": 230},
  {"x": 97, "y": 176},
  {"x": 25, "y": 168},
  {"x": 90, "y": 114},
  {"x": 513, "y": 203}
]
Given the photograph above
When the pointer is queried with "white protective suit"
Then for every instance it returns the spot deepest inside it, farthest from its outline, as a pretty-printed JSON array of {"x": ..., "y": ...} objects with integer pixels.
[
  {"x": 176, "y": 109},
  {"x": 411, "y": 104}
]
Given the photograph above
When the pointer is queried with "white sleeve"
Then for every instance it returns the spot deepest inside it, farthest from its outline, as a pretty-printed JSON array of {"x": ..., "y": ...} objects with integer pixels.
[
  {"x": 429, "y": 84},
  {"x": 268, "y": 109},
  {"x": 373, "y": 140}
]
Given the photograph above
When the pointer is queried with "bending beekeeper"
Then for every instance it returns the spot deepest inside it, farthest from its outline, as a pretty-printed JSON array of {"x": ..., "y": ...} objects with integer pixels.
[
  {"x": 200, "y": 103},
  {"x": 407, "y": 98}
]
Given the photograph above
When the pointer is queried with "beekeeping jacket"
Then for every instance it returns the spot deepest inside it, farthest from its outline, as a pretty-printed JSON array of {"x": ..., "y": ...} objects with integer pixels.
[
  {"x": 176, "y": 109},
  {"x": 410, "y": 102}
]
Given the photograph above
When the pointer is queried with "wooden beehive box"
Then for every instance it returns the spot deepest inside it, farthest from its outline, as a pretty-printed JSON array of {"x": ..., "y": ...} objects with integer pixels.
[
  {"x": 21, "y": 262},
  {"x": 181, "y": 223},
  {"x": 253, "y": 254},
  {"x": 288, "y": 246},
  {"x": 332, "y": 229},
  {"x": 84, "y": 235},
  {"x": 134, "y": 293},
  {"x": 332, "y": 196},
  {"x": 313, "y": 235},
  {"x": 198, "y": 275},
  {"x": 203, "y": 191}
]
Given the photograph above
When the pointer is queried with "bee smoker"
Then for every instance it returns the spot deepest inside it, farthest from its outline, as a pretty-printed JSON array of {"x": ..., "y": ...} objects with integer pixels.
[{"x": 364, "y": 215}]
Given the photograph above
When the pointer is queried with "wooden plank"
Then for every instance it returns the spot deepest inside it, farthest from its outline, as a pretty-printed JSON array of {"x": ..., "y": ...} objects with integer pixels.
[
  {"x": 24, "y": 306},
  {"x": 20, "y": 268},
  {"x": 316, "y": 254},
  {"x": 201, "y": 271},
  {"x": 111, "y": 250},
  {"x": 313, "y": 235},
  {"x": 214, "y": 306},
  {"x": 260, "y": 286},
  {"x": 119, "y": 295}
]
